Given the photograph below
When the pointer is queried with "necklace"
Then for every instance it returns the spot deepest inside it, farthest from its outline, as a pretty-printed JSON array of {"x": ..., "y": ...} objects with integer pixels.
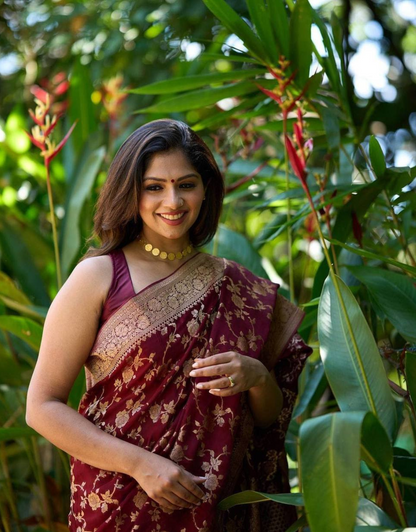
[{"x": 165, "y": 254}]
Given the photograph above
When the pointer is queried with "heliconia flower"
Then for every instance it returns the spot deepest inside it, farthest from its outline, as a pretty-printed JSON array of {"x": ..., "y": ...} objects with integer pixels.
[
  {"x": 296, "y": 162},
  {"x": 54, "y": 88},
  {"x": 40, "y": 136}
]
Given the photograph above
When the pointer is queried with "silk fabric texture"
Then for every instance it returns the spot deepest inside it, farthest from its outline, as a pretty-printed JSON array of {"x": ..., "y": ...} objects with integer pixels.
[{"x": 138, "y": 389}]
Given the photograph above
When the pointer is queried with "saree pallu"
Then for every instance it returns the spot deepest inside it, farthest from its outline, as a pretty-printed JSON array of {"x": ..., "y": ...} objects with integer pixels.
[{"x": 139, "y": 390}]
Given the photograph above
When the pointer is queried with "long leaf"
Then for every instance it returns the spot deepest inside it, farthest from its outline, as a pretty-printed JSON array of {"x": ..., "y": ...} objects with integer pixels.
[
  {"x": 199, "y": 99},
  {"x": 231, "y": 20},
  {"x": 13, "y": 433},
  {"x": 186, "y": 83},
  {"x": 351, "y": 358},
  {"x": 300, "y": 41},
  {"x": 249, "y": 496},
  {"x": 80, "y": 189},
  {"x": 395, "y": 294},
  {"x": 260, "y": 16},
  {"x": 280, "y": 24},
  {"x": 375, "y": 256},
  {"x": 24, "y": 328},
  {"x": 330, "y": 462}
]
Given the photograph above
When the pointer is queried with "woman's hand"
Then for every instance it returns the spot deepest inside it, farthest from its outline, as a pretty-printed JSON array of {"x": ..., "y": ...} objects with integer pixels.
[
  {"x": 168, "y": 483},
  {"x": 245, "y": 371}
]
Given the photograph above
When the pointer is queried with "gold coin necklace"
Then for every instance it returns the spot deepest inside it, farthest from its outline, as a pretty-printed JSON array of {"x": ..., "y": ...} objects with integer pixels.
[{"x": 156, "y": 252}]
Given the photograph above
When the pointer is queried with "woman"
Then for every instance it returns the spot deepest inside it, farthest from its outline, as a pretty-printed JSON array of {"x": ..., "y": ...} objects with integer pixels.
[{"x": 186, "y": 401}]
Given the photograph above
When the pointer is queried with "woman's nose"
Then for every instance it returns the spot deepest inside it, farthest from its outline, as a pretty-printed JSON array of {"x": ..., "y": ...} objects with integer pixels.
[{"x": 173, "y": 198}]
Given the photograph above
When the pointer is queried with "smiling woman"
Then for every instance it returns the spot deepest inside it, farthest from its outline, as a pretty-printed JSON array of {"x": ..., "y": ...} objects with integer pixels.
[{"x": 191, "y": 365}]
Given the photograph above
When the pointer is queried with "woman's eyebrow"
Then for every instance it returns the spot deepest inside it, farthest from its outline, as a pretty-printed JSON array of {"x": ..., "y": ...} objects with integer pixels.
[{"x": 179, "y": 178}]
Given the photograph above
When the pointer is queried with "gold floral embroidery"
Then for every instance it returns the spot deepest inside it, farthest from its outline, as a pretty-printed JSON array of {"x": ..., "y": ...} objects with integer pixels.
[{"x": 150, "y": 310}]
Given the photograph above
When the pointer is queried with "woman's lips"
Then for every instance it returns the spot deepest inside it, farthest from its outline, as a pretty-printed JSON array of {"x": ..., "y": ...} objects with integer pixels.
[{"x": 173, "y": 222}]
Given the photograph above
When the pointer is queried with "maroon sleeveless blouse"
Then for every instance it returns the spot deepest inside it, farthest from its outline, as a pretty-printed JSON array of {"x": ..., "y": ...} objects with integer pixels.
[{"x": 121, "y": 289}]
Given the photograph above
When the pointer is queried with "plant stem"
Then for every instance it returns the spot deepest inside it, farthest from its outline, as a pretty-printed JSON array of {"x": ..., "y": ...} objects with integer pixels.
[
  {"x": 54, "y": 232},
  {"x": 42, "y": 484},
  {"x": 9, "y": 490},
  {"x": 398, "y": 504},
  {"x": 289, "y": 229}
]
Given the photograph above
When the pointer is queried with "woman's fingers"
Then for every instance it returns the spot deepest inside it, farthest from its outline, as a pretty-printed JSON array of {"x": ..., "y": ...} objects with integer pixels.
[
  {"x": 167, "y": 504},
  {"x": 224, "y": 382},
  {"x": 209, "y": 371}
]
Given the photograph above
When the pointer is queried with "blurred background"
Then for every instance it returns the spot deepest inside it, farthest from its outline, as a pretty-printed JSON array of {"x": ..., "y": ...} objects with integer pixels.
[{"x": 109, "y": 67}]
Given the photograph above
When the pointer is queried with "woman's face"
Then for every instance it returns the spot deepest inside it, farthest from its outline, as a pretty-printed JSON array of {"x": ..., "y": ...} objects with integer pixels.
[{"x": 171, "y": 188}]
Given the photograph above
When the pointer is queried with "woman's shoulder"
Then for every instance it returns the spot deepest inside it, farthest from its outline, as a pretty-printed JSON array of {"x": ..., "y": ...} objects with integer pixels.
[{"x": 96, "y": 272}]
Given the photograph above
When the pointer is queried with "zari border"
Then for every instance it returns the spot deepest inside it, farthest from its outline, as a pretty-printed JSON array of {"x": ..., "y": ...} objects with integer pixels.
[{"x": 150, "y": 310}]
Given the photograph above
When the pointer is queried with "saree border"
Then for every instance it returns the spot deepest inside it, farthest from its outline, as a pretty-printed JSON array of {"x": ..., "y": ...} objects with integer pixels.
[
  {"x": 286, "y": 319},
  {"x": 150, "y": 310}
]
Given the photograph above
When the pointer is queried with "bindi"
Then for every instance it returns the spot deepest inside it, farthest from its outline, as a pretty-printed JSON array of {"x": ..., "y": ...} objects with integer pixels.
[{"x": 172, "y": 180}]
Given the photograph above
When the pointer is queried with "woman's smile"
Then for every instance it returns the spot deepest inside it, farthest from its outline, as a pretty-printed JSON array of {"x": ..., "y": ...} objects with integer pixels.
[{"x": 171, "y": 199}]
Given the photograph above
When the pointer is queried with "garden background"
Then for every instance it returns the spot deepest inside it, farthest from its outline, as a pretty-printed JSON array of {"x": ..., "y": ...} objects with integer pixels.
[{"x": 309, "y": 109}]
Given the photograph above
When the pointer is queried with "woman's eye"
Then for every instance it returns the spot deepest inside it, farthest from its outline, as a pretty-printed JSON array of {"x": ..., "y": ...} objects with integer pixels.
[{"x": 183, "y": 185}]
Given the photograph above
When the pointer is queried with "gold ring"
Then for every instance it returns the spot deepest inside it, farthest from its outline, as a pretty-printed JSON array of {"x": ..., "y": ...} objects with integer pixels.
[{"x": 232, "y": 383}]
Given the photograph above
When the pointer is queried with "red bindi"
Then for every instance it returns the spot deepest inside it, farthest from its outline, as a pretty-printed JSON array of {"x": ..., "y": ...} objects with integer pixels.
[{"x": 172, "y": 180}]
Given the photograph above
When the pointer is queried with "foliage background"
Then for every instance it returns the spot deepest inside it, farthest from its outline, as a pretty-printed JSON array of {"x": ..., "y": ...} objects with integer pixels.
[{"x": 134, "y": 44}]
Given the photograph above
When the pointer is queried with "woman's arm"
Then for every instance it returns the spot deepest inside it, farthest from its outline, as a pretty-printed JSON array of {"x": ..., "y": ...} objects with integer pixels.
[
  {"x": 266, "y": 399},
  {"x": 68, "y": 336},
  {"x": 69, "y": 333}
]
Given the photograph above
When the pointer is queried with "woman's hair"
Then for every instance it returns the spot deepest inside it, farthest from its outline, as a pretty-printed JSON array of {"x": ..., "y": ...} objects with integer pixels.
[{"x": 117, "y": 220}]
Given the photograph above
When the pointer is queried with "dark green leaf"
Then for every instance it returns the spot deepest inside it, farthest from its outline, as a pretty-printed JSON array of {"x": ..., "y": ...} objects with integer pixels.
[
  {"x": 231, "y": 20},
  {"x": 186, "y": 83},
  {"x": 377, "y": 157},
  {"x": 300, "y": 41},
  {"x": 395, "y": 294}
]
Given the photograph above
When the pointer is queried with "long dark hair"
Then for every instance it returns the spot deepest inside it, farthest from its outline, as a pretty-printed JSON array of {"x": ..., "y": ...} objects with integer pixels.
[{"x": 117, "y": 220}]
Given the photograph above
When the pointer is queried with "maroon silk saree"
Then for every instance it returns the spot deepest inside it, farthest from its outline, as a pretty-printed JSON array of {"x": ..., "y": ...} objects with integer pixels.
[{"x": 139, "y": 390}]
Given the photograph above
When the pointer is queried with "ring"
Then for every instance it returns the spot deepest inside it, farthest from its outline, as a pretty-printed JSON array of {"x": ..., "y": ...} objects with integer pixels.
[{"x": 232, "y": 383}]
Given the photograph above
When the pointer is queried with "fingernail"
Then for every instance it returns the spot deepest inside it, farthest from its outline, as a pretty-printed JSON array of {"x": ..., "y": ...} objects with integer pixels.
[{"x": 192, "y": 373}]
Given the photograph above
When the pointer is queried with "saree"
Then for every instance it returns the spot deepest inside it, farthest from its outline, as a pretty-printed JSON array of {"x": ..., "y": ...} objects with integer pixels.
[{"x": 138, "y": 388}]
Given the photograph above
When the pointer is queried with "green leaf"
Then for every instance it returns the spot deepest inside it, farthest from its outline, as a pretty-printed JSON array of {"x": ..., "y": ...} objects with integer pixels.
[
  {"x": 231, "y": 20},
  {"x": 377, "y": 157},
  {"x": 10, "y": 290},
  {"x": 331, "y": 125},
  {"x": 81, "y": 185},
  {"x": 210, "y": 57},
  {"x": 330, "y": 64},
  {"x": 13, "y": 433},
  {"x": 395, "y": 293},
  {"x": 330, "y": 464},
  {"x": 199, "y": 99},
  {"x": 280, "y": 24},
  {"x": 24, "y": 328},
  {"x": 315, "y": 386},
  {"x": 351, "y": 358},
  {"x": 18, "y": 245},
  {"x": 234, "y": 246},
  {"x": 370, "y": 514},
  {"x": 375, "y": 256},
  {"x": 81, "y": 107},
  {"x": 186, "y": 83},
  {"x": 260, "y": 16},
  {"x": 250, "y": 496},
  {"x": 300, "y": 41}
]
